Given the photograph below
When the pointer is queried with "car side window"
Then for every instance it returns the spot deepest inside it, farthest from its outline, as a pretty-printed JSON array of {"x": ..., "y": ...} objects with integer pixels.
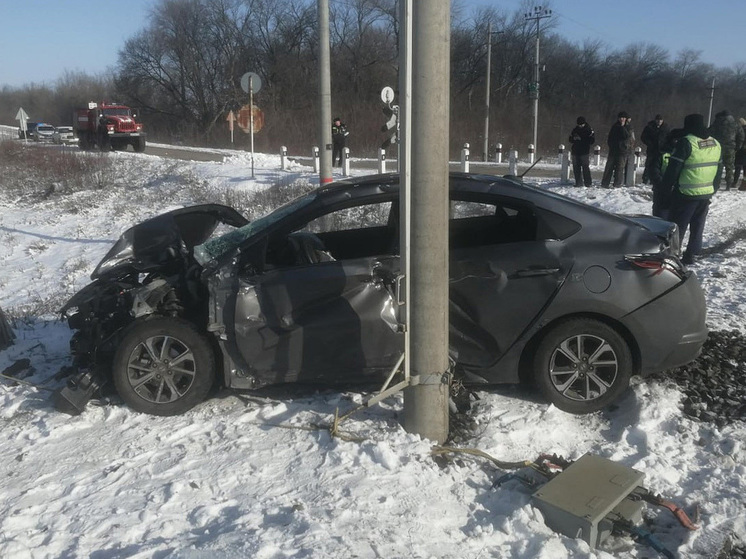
[
  {"x": 479, "y": 223},
  {"x": 343, "y": 234},
  {"x": 355, "y": 217}
]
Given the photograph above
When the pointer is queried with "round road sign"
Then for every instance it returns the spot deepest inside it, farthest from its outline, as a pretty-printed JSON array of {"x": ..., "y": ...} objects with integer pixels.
[
  {"x": 244, "y": 119},
  {"x": 256, "y": 82},
  {"x": 387, "y": 95}
]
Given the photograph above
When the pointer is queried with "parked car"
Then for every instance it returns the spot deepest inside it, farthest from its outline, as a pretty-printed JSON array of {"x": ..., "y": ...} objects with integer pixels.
[
  {"x": 64, "y": 135},
  {"x": 542, "y": 287},
  {"x": 30, "y": 128},
  {"x": 43, "y": 132}
]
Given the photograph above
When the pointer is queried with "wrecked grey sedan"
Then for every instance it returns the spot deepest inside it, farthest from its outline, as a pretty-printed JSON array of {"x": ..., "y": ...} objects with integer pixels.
[{"x": 543, "y": 288}]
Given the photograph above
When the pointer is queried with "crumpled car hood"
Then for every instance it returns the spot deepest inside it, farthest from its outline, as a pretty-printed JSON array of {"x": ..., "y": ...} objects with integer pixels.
[{"x": 165, "y": 239}]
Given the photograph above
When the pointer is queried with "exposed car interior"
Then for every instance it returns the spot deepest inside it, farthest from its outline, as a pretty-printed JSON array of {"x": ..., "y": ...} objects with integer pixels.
[{"x": 375, "y": 231}]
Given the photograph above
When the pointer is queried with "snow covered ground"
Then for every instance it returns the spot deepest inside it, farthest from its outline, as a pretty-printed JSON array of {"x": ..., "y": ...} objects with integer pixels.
[{"x": 261, "y": 477}]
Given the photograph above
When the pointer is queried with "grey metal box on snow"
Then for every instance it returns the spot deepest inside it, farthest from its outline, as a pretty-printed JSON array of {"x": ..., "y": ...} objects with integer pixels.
[{"x": 577, "y": 501}]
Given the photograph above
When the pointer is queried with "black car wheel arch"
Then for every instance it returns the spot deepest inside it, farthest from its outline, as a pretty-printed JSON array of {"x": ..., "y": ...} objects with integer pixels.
[
  {"x": 582, "y": 364},
  {"x": 163, "y": 366}
]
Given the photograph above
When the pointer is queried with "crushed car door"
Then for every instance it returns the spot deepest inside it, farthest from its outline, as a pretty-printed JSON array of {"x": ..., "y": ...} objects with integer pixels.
[
  {"x": 332, "y": 320},
  {"x": 502, "y": 277}
]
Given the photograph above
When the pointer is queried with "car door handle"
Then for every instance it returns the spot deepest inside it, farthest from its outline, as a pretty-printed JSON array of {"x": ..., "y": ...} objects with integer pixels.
[{"x": 532, "y": 272}]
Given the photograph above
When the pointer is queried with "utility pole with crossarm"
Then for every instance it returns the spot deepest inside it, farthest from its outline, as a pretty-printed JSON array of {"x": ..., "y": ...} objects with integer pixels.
[{"x": 537, "y": 14}]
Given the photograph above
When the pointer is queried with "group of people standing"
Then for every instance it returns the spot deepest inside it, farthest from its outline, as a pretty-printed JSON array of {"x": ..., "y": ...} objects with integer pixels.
[{"x": 684, "y": 165}]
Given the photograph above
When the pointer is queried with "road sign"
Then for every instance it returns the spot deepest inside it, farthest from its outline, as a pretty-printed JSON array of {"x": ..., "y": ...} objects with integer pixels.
[
  {"x": 244, "y": 119},
  {"x": 387, "y": 95},
  {"x": 22, "y": 117},
  {"x": 391, "y": 126},
  {"x": 256, "y": 82}
]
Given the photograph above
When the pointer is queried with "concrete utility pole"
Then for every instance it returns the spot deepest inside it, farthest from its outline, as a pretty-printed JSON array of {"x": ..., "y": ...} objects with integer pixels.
[
  {"x": 486, "y": 150},
  {"x": 538, "y": 13},
  {"x": 426, "y": 402},
  {"x": 712, "y": 96},
  {"x": 405, "y": 167},
  {"x": 325, "y": 95}
]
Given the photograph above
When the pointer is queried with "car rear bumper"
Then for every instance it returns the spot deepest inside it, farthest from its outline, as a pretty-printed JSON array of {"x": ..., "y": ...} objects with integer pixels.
[{"x": 670, "y": 330}]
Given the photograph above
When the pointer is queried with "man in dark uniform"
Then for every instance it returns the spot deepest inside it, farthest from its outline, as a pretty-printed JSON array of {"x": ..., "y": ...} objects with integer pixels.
[
  {"x": 726, "y": 130},
  {"x": 619, "y": 142},
  {"x": 689, "y": 182},
  {"x": 339, "y": 137},
  {"x": 653, "y": 136},
  {"x": 582, "y": 138}
]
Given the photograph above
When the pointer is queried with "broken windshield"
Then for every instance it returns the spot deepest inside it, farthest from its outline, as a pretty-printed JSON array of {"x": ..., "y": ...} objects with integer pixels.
[{"x": 213, "y": 249}]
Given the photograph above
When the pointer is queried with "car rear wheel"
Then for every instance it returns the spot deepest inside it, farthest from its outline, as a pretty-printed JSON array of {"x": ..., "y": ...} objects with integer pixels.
[
  {"x": 163, "y": 366},
  {"x": 582, "y": 365}
]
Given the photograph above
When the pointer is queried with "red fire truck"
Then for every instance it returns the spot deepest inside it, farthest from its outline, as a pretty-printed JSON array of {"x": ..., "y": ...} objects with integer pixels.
[{"x": 108, "y": 126}]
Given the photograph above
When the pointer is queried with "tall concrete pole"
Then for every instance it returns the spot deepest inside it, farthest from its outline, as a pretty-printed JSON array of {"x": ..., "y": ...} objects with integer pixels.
[
  {"x": 536, "y": 93},
  {"x": 405, "y": 165},
  {"x": 426, "y": 402},
  {"x": 538, "y": 13},
  {"x": 325, "y": 96},
  {"x": 486, "y": 150},
  {"x": 712, "y": 96}
]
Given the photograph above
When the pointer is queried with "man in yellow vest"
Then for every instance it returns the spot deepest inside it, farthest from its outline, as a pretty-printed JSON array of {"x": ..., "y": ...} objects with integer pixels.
[{"x": 689, "y": 182}]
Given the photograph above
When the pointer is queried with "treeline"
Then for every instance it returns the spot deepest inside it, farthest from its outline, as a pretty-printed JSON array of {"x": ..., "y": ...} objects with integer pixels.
[{"x": 183, "y": 72}]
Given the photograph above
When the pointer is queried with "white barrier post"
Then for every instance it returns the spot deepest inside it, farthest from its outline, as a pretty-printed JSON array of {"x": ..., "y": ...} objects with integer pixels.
[
  {"x": 564, "y": 166},
  {"x": 346, "y": 162},
  {"x": 316, "y": 159},
  {"x": 382, "y": 161},
  {"x": 597, "y": 155},
  {"x": 465, "y": 159},
  {"x": 513, "y": 162},
  {"x": 283, "y": 158},
  {"x": 499, "y": 153},
  {"x": 531, "y": 153}
]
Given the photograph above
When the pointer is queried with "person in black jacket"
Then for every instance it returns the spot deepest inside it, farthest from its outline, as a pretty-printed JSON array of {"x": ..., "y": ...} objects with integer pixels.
[
  {"x": 653, "y": 136},
  {"x": 657, "y": 168},
  {"x": 620, "y": 145},
  {"x": 582, "y": 138},
  {"x": 339, "y": 138}
]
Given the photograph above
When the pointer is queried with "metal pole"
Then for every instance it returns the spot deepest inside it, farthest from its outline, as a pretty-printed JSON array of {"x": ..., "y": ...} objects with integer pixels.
[
  {"x": 426, "y": 402},
  {"x": 539, "y": 13},
  {"x": 486, "y": 150},
  {"x": 251, "y": 118},
  {"x": 405, "y": 166},
  {"x": 325, "y": 95},
  {"x": 712, "y": 96},
  {"x": 536, "y": 95}
]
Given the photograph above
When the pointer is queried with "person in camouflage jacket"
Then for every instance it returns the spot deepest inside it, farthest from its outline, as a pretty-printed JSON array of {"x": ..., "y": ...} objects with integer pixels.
[{"x": 726, "y": 130}]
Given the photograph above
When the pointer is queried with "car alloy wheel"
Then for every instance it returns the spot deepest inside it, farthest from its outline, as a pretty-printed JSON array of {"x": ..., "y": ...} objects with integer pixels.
[
  {"x": 582, "y": 365},
  {"x": 163, "y": 366}
]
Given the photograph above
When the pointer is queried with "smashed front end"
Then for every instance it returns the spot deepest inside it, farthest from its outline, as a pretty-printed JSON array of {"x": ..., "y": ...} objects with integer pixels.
[{"x": 149, "y": 270}]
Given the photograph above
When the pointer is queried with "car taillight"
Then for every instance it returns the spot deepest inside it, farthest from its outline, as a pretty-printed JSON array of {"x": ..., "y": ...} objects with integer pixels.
[{"x": 657, "y": 263}]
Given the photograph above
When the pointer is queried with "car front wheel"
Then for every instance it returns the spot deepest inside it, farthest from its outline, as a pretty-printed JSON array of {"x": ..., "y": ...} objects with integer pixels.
[
  {"x": 582, "y": 365},
  {"x": 163, "y": 366}
]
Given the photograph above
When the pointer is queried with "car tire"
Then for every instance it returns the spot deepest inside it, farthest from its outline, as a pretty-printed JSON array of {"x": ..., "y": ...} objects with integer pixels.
[
  {"x": 139, "y": 145},
  {"x": 144, "y": 371},
  {"x": 582, "y": 365}
]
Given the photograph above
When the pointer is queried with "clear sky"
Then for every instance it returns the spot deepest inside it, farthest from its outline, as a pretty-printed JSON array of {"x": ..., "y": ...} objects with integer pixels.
[
  {"x": 715, "y": 27},
  {"x": 41, "y": 39}
]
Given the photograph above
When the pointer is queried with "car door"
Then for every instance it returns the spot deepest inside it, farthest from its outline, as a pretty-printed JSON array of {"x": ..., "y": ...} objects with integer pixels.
[
  {"x": 503, "y": 274},
  {"x": 329, "y": 319}
]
